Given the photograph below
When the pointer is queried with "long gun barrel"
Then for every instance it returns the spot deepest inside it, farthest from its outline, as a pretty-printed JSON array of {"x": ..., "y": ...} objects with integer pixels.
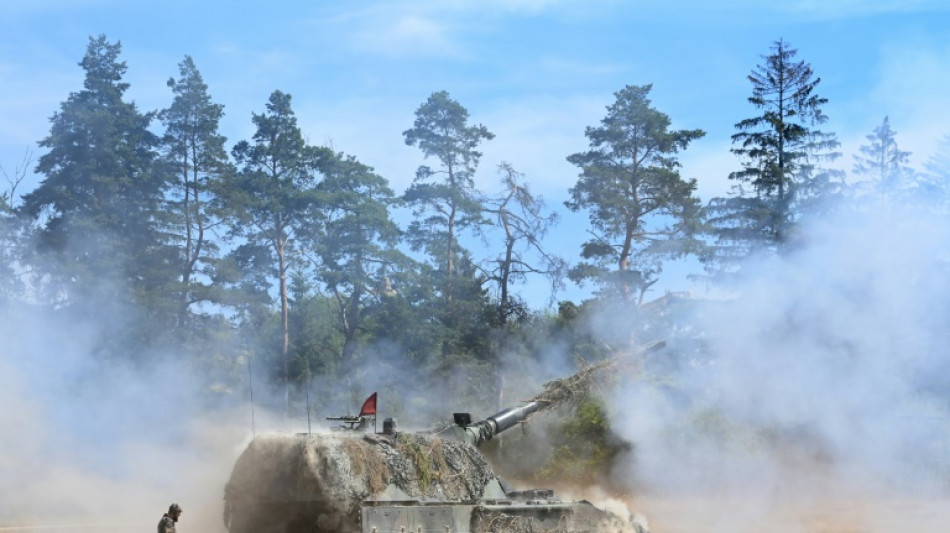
[
  {"x": 483, "y": 431},
  {"x": 555, "y": 392}
]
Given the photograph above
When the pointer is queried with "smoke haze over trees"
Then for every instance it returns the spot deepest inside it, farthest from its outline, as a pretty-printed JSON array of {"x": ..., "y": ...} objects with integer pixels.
[{"x": 297, "y": 269}]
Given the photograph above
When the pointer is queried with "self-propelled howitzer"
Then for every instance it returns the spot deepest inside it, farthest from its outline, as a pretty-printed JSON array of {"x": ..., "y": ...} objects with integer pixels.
[
  {"x": 351, "y": 482},
  {"x": 389, "y": 482}
]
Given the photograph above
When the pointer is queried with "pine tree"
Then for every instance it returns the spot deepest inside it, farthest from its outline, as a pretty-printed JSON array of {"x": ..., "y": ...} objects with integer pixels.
[
  {"x": 445, "y": 202},
  {"x": 641, "y": 209},
  {"x": 446, "y": 193},
  {"x": 357, "y": 253},
  {"x": 195, "y": 156},
  {"x": 272, "y": 201}
]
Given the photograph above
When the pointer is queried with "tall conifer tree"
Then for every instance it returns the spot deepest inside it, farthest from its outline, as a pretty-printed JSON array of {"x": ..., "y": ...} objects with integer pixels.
[
  {"x": 883, "y": 165},
  {"x": 271, "y": 199},
  {"x": 783, "y": 154},
  {"x": 356, "y": 254},
  {"x": 196, "y": 160},
  {"x": 641, "y": 209},
  {"x": 96, "y": 208},
  {"x": 445, "y": 200}
]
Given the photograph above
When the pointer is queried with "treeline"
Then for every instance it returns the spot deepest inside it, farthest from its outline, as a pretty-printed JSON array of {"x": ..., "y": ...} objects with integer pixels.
[{"x": 289, "y": 254}]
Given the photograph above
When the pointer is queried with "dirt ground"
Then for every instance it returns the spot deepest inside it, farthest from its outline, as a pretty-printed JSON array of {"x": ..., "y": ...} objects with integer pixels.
[
  {"x": 723, "y": 514},
  {"x": 823, "y": 515}
]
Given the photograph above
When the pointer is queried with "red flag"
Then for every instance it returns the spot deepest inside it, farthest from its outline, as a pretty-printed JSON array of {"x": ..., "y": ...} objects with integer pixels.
[{"x": 369, "y": 406}]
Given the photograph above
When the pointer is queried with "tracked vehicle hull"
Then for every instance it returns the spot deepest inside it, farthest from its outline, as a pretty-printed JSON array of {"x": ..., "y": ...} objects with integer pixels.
[
  {"x": 490, "y": 516},
  {"x": 405, "y": 483}
]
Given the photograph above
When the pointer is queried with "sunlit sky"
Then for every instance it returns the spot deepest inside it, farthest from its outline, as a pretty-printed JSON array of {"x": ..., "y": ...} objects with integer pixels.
[{"x": 534, "y": 72}]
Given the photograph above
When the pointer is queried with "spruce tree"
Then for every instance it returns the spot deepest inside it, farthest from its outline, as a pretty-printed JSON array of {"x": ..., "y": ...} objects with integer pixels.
[
  {"x": 883, "y": 165},
  {"x": 96, "y": 208},
  {"x": 784, "y": 156}
]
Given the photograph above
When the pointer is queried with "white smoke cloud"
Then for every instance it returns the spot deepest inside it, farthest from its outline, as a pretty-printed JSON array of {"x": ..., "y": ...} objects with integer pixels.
[
  {"x": 92, "y": 441},
  {"x": 824, "y": 379}
]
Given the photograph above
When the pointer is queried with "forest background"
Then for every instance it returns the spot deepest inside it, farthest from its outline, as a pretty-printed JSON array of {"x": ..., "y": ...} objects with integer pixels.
[{"x": 379, "y": 223}]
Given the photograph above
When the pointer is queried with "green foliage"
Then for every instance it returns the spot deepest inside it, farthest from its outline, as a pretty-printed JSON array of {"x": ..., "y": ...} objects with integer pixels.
[
  {"x": 445, "y": 201},
  {"x": 287, "y": 254},
  {"x": 783, "y": 152},
  {"x": 584, "y": 449},
  {"x": 195, "y": 158},
  {"x": 97, "y": 212},
  {"x": 571, "y": 329},
  {"x": 357, "y": 255},
  {"x": 466, "y": 323},
  {"x": 881, "y": 161},
  {"x": 272, "y": 202},
  {"x": 446, "y": 195},
  {"x": 97, "y": 206},
  {"x": 316, "y": 345},
  {"x": 403, "y": 325},
  {"x": 641, "y": 209}
]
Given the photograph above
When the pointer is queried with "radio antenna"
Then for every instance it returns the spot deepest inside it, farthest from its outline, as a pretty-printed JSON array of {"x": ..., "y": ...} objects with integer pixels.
[{"x": 250, "y": 385}]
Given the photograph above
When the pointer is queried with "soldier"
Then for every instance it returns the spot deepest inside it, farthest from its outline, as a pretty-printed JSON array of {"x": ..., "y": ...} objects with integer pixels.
[{"x": 167, "y": 523}]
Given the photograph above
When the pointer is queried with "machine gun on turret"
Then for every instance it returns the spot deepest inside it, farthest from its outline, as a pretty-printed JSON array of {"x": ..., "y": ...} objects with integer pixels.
[{"x": 359, "y": 422}]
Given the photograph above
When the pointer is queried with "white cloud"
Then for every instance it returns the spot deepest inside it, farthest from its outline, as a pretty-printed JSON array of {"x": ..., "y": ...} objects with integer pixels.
[{"x": 394, "y": 34}]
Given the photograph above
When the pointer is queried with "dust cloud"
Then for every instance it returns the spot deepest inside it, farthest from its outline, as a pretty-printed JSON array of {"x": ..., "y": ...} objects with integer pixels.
[
  {"x": 817, "y": 399},
  {"x": 102, "y": 444}
]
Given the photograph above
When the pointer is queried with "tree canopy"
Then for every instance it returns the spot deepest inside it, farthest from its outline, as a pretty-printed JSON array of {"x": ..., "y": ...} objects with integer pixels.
[
  {"x": 782, "y": 153},
  {"x": 641, "y": 209},
  {"x": 96, "y": 209},
  {"x": 301, "y": 261}
]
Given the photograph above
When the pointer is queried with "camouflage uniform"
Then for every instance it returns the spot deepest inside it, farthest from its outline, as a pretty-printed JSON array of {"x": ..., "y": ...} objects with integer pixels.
[{"x": 166, "y": 524}]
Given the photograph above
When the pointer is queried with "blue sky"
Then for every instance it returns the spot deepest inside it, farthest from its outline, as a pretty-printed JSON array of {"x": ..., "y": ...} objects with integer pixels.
[{"x": 535, "y": 72}]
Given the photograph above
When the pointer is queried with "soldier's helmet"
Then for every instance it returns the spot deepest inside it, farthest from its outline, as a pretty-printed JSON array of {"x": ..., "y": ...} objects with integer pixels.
[{"x": 174, "y": 508}]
